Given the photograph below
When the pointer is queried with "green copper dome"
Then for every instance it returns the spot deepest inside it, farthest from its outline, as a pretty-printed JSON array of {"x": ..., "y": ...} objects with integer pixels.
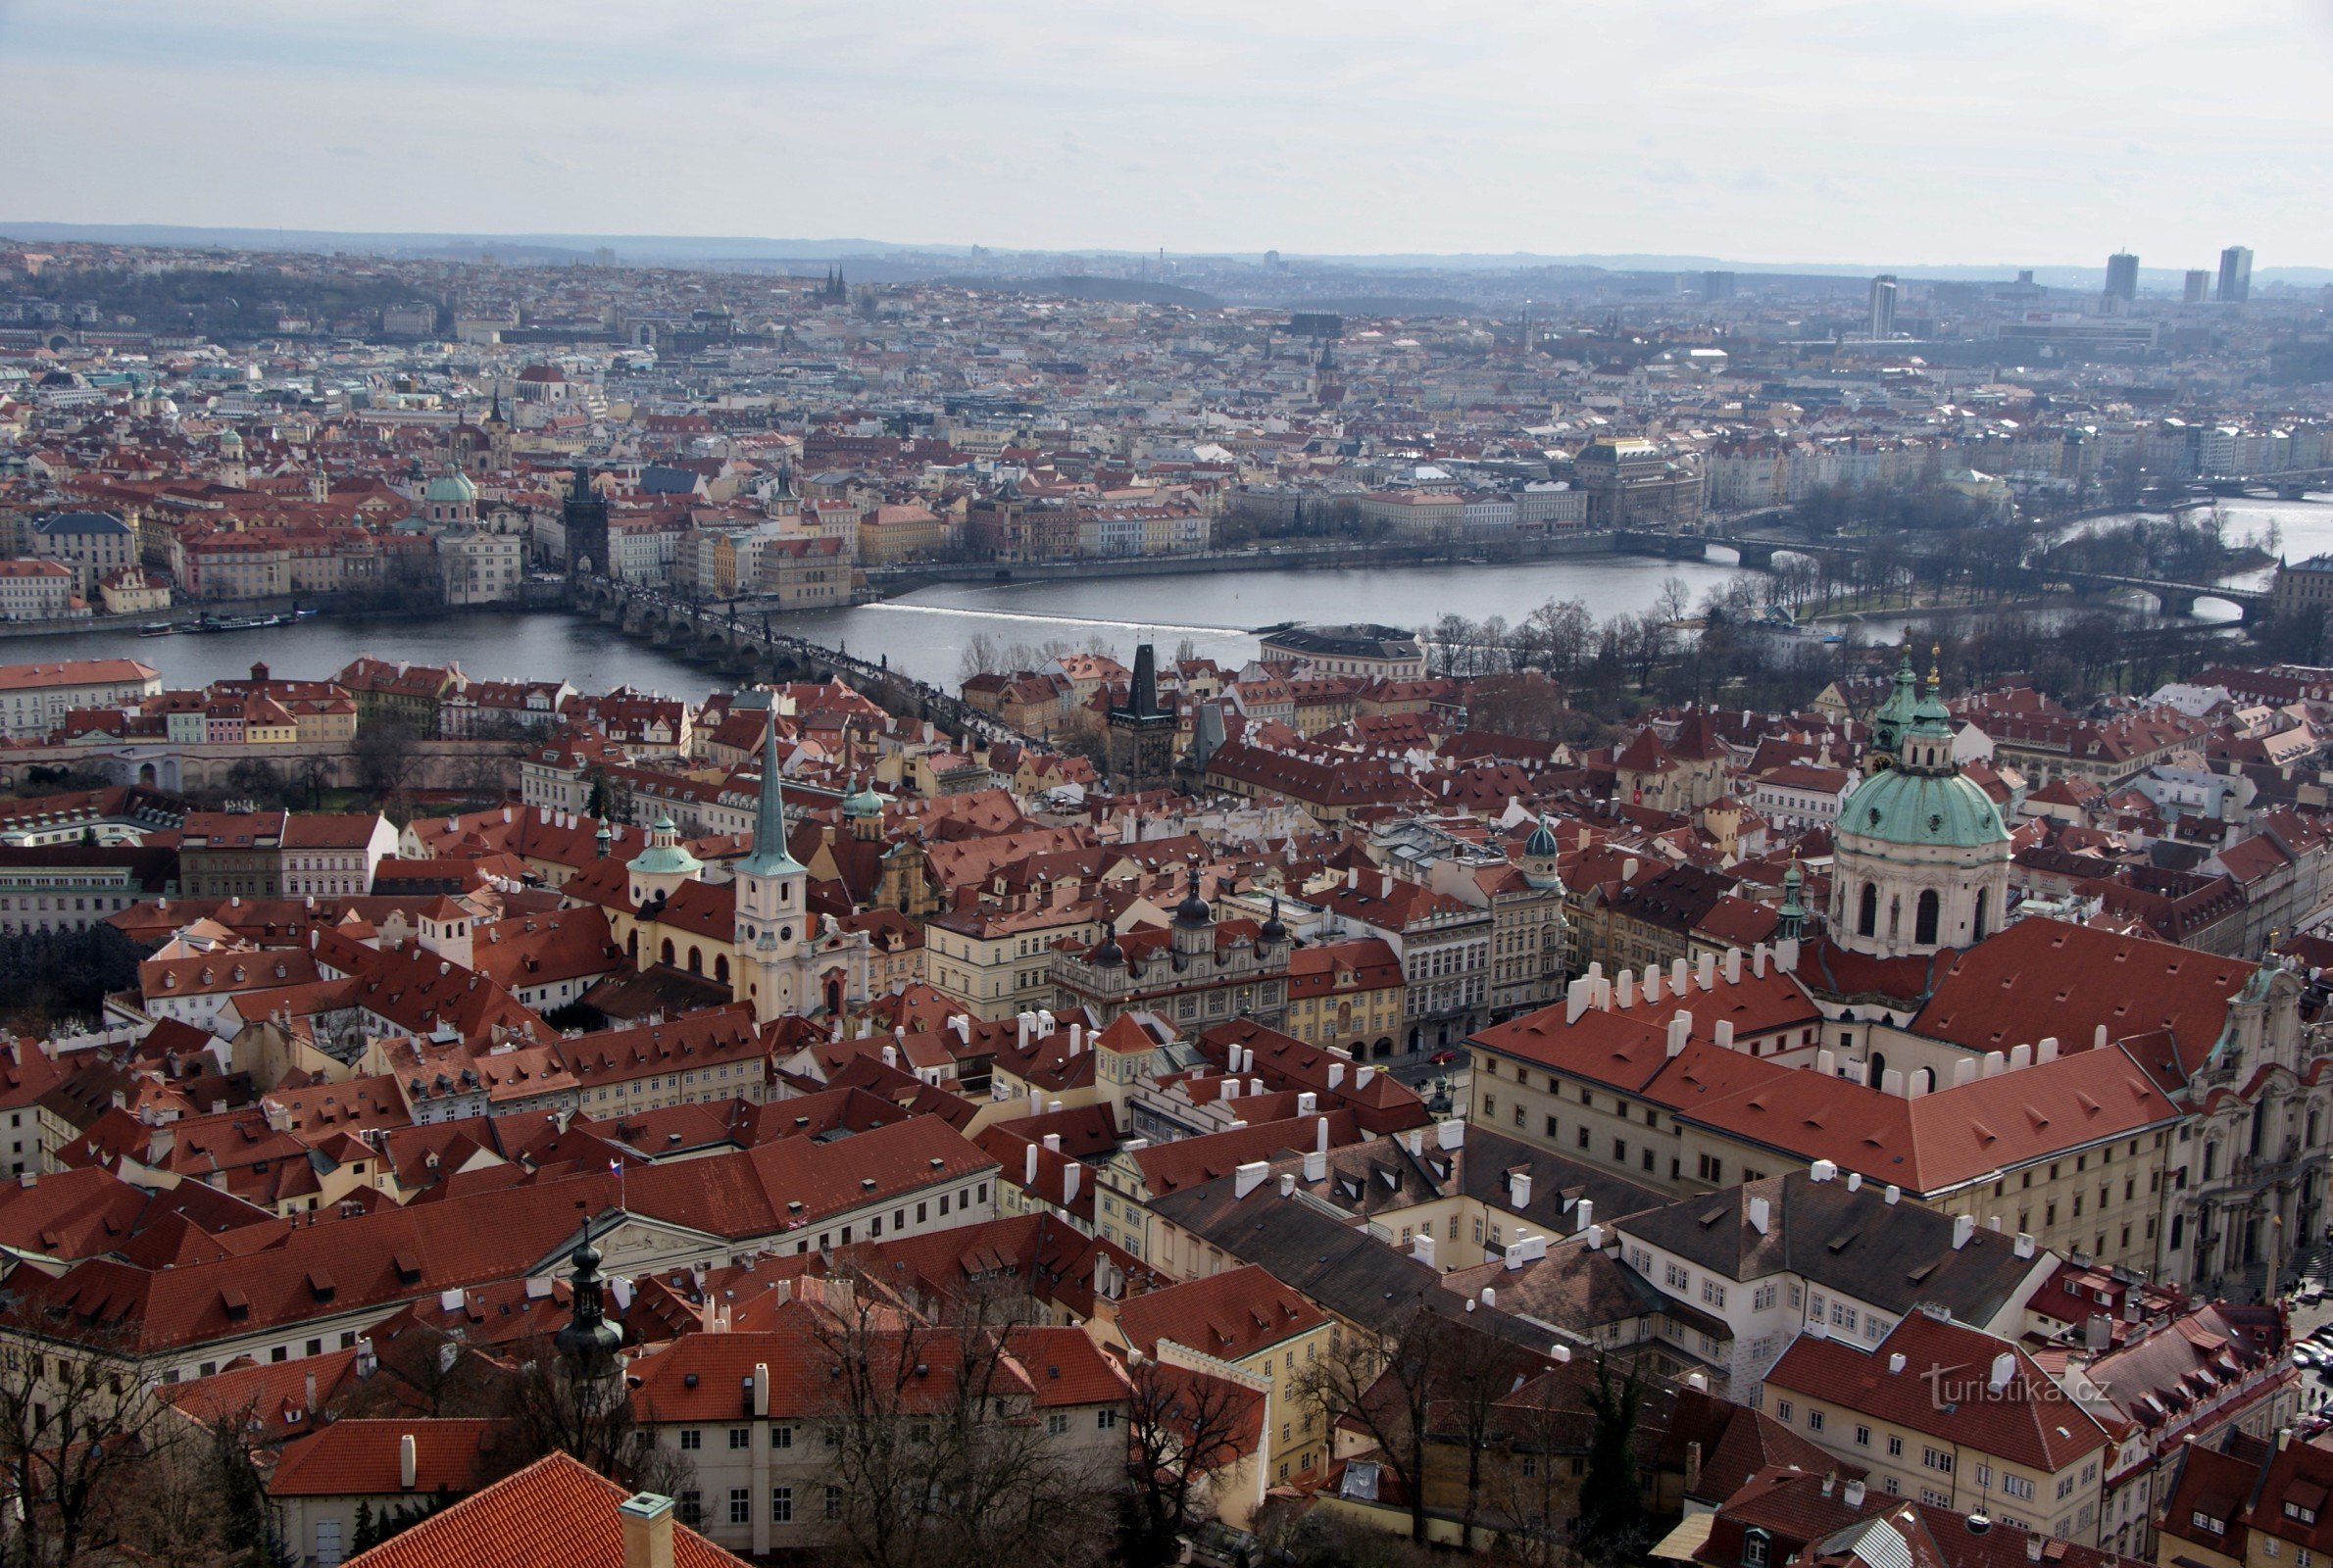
[
  {"x": 666, "y": 855},
  {"x": 862, "y": 802},
  {"x": 450, "y": 489},
  {"x": 1899, "y": 805},
  {"x": 1542, "y": 841}
]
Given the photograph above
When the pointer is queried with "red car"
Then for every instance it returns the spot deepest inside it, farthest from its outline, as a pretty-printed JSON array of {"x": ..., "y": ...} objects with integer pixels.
[{"x": 1443, "y": 1059}]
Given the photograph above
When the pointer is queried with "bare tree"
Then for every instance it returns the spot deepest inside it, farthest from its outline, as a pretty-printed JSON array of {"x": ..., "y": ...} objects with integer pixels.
[
  {"x": 1384, "y": 1385},
  {"x": 1183, "y": 1425},
  {"x": 78, "y": 1414},
  {"x": 939, "y": 1455},
  {"x": 982, "y": 656}
]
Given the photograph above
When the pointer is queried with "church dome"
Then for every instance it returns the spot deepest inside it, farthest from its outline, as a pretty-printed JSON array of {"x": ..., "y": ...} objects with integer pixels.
[
  {"x": 1940, "y": 810},
  {"x": 450, "y": 489},
  {"x": 666, "y": 855},
  {"x": 862, "y": 802},
  {"x": 1541, "y": 845}
]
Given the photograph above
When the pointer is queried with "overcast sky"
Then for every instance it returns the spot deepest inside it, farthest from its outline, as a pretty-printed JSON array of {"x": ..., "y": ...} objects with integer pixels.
[{"x": 1893, "y": 132}]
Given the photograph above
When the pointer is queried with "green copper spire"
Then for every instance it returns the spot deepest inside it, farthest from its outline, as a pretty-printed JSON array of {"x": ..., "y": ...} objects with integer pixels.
[{"x": 769, "y": 857}]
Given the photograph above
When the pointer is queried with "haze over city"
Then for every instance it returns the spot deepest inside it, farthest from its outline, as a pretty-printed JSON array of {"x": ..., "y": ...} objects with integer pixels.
[{"x": 1910, "y": 135}]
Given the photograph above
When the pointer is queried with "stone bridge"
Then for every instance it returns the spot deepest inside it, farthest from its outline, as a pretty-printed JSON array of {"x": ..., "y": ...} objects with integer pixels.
[{"x": 748, "y": 643}]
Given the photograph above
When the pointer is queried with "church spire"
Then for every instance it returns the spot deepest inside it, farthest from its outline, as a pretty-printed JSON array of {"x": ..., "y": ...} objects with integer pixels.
[{"x": 769, "y": 857}]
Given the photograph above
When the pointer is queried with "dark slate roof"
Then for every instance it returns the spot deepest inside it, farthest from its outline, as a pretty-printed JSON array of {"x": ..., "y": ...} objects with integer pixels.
[
  {"x": 1893, "y": 1256},
  {"x": 82, "y": 523}
]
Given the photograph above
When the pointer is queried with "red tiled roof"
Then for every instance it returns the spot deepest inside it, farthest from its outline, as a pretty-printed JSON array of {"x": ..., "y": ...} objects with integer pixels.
[{"x": 556, "y": 1513}]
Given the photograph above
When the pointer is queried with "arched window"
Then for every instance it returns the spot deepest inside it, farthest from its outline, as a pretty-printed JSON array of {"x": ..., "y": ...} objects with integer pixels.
[
  {"x": 1866, "y": 923},
  {"x": 1982, "y": 895},
  {"x": 666, "y": 951},
  {"x": 1876, "y": 1070},
  {"x": 1925, "y": 917},
  {"x": 720, "y": 967},
  {"x": 696, "y": 959}
]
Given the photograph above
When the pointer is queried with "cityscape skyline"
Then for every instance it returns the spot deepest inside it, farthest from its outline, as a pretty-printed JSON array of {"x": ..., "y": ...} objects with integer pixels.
[{"x": 1903, "y": 137}]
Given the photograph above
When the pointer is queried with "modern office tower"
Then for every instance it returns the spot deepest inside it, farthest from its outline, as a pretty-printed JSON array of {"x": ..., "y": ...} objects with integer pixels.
[
  {"x": 1883, "y": 306},
  {"x": 2199, "y": 286},
  {"x": 2235, "y": 275},
  {"x": 2122, "y": 276},
  {"x": 1716, "y": 285}
]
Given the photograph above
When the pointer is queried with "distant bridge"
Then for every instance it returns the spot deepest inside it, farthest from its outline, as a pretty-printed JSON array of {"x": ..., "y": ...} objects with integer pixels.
[
  {"x": 746, "y": 644},
  {"x": 2170, "y": 598}
]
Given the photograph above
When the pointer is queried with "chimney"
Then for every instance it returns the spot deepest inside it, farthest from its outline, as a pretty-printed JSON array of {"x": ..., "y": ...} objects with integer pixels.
[
  {"x": 1245, "y": 1179},
  {"x": 408, "y": 1463},
  {"x": 1757, "y": 960},
  {"x": 1490, "y": 1296},
  {"x": 2033, "y": 1547},
  {"x": 2098, "y": 1331},
  {"x": 1705, "y": 976},
  {"x": 1306, "y": 1102},
  {"x": 761, "y": 1387},
  {"x": 1963, "y": 1227},
  {"x": 1895, "y": 1363},
  {"x": 1679, "y": 975},
  {"x": 2004, "y": 1367},
  {"x": 1680, "y": 1028},
  {"x": 1053, "y": 1143},
  {"x": 2022, "y": 1247},
  {"x": 1028, "y": 1166},
  {"x": 1692, "y": 1467},
  {"x": 1336, "y": 1075},
  {"x": 647, "y": 1521},
  {"x": 1361, "y": 1077},
  {"x": 1760, "y": 1215},
  {"x": 1624, "y": 993},
  {"x": 1076, "y": 1038},
  {"x": 1069, "y": 1184},
  {"x": 1823, "y": 1170},
  {"x": 1287, "y": 1184},
  {"x": 1853, "y": 1497},
  {"x": 1584, "y": 1212},
  {"x": 1652, "y": 982},
  {"x": 1733, "y": 966},
  {"x": 1449, "y": 1135},
  {"x": 1893, "y": 1195},
  {"x": 1519, "y": 1191},
  {"x": 1320, "y": 1136},
  {"x": 1724, "y": 1034},
  {"x": 1422, "y": 1249},
  {"x": 1316, "y": 1167},
  {"x": 1576, "y": 997},
  {"x": 311, "y": 1393}
]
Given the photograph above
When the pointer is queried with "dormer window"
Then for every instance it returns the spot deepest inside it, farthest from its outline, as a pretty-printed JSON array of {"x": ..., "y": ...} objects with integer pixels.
[{"x": 1756, "y": 1545}]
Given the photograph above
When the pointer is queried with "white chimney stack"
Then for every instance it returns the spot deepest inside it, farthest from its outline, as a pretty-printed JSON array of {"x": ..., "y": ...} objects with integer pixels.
[
  {"x": 408, "y": 1463},
  {"x": 1519, "y": 1191},
  {"x": 1724, "y": 1034},
  {"x": 1069, "y": 1183},
  {"x": 1963, "y": 1227},
  {"x": 1733, "y": 966},
  {"x": 1245, "y": 1179},
  {"x": 1028, "y": 1166},
  {"x": 1760, "y": 1215}
]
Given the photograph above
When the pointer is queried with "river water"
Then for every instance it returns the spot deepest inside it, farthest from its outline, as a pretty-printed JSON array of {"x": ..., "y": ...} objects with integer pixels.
[{"x": 925, "y": 632}]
